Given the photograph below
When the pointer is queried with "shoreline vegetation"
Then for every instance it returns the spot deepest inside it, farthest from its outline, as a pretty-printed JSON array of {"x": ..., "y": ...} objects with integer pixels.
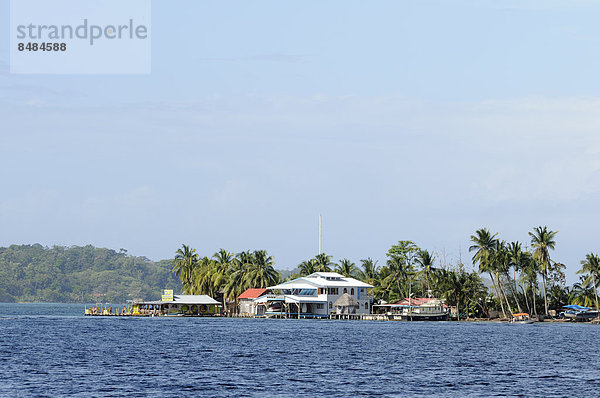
[
  {"x": 522, "y": 278},
  {"x": 519, "y": 277},
  {"x": 79, "y": 274}
]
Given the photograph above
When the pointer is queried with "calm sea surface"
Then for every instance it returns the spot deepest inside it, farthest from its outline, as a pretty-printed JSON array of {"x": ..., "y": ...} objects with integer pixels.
[{"x": 52, "y": 350}]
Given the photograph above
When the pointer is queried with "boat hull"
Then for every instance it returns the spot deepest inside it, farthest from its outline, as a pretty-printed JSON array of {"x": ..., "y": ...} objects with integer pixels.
[{"x": 424, "y": 317}]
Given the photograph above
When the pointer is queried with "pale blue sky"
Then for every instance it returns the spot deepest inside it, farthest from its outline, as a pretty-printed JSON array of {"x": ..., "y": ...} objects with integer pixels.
[{"x": 420, "y": 120}]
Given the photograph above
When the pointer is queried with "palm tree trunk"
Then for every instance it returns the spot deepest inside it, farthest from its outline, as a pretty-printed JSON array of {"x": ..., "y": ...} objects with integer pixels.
[
  {"x": 497, "y": 294},
  {"x": 533, "y": 289},
  {"x": 513, "y": 288},
  {"x": 525, "y": 297},
  {"x": 512, "y": 291},
  {"x": 595, "y": 292},
  {"x": 504, "y": 294},
  {"x": 545, "y": 293}
]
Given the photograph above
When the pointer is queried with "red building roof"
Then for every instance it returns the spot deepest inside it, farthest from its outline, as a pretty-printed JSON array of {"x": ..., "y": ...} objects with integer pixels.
[
  {"x": 415, "y": 301},
  {"x": 252, "y": 293}
]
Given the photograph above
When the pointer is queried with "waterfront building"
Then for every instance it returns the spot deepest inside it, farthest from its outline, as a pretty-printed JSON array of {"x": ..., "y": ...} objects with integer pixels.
[
  {"x": 247, "y": 305},
  {"x": 314, "y": 296},
  {"x": 418, "y": 308},
  {"x": 181, "y": 304}
]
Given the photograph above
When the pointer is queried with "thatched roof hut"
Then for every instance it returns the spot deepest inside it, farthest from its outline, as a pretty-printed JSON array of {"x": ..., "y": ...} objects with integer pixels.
[{"x": 346, "y": 304}]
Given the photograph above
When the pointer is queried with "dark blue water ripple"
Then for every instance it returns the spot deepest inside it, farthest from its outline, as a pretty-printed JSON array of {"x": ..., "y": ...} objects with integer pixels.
[{"x": 69, "y": 355}]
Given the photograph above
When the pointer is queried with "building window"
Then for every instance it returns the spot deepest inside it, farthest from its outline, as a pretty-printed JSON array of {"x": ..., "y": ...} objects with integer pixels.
[
  {"x": 366, "y": 306},
  {"x": 352, "y": 292},
  {"x": 330, "y": 305},
  {"x": 320, "y": 306},
  {"x": 333, "y": 290},
  {"x": 345, "y": 290}
]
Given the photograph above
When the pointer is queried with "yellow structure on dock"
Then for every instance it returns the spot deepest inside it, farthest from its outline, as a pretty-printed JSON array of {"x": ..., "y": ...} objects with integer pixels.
[{"x": 99, "y": 310}]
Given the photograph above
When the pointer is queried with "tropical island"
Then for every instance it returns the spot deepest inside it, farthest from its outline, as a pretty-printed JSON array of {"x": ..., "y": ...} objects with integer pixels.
[
  {"x": 79, "y": 274},
  {"x": 506, "y": 278}
]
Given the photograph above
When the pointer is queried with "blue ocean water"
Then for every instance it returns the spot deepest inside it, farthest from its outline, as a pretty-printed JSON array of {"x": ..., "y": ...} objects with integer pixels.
[{"x": 52, "y": 350}]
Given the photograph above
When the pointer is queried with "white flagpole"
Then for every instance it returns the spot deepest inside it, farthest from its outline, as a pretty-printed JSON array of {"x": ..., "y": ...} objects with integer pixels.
[{"x": 320, "y": 234}]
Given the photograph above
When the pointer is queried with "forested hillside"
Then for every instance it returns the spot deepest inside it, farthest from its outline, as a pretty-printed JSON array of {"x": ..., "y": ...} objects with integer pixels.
[{"x": 80, "y": 274}]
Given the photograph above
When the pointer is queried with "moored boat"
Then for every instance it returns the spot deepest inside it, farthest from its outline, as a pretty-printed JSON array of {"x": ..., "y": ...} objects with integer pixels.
[
  {"x": 579, "y": 313},
  {"x": 521, "y": 318},
  {"x": 416, "y": 309},
  {"x": 433, "y": 310}
]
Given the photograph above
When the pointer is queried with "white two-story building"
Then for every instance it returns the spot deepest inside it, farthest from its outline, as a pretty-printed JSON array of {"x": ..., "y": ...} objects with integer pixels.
[{"x": 314, "y": 295}]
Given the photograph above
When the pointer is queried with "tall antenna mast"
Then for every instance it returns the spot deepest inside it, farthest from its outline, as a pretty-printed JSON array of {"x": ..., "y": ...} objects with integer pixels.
[{"x": 320, "y": 234}]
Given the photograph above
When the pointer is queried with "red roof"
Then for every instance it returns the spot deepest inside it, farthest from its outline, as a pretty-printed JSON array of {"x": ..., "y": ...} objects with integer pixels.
[{"x": 252, "y": 293}]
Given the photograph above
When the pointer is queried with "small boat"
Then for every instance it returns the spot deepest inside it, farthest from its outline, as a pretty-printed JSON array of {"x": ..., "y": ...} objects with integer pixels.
[
  {"x": 521, "y": 318},
  {"x": 274, "y": 310},
  {"x": 432, "y": 310},
  {"x": 579, "y": 313}
]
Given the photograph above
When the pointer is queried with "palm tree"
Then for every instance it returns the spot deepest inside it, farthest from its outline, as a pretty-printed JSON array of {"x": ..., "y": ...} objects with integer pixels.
[
  {"x": 370, "y": 274},
  {"x": 459, "y": 287},
  {"x": 425, "y": 260},
  {"x": 236, "y": 282},
  {"x": 186, "y": 260},
  {"x": 323, "y": 263},
  {"x": 542, "y": 241},
  {"x": 530, "y": 268},
  {"x": 483, "y": 245},
  {"x": 501, "y": 263},
  {"x": 515, "y": 254},
  {"x": 346, "y": 268},
  {"x": 558, "y": 296},
  {"x": 591, "y": 268},
  {"x": 222, "y": 262},
  {"x": 261, "y": 273},
  {"x": 399, "y": 272},
  {"x": 307, "y": 267},
  {"x": 245, "y": 258},
  {"x": 449, "y": 285},
  {"x": 582, "y": 294},
  {"x": 519, "y": 263},
  {"x": 203, "y": 277},
  {"x": 370, "y": 270},
  {"x": 475, "y": 292}
]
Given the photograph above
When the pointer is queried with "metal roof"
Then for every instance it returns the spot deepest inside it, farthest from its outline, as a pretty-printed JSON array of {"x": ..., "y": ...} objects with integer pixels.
[
  {"x": 299, "y": 283},
  {"x": 194, "y": 299},
  {"x": 199, "y": 299},
  {"x": 333, "y": 279},
  {"x": 319, "y": 279},
  {"x": 252, "y": 293},
  {"x": 327, "y": 274}
]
